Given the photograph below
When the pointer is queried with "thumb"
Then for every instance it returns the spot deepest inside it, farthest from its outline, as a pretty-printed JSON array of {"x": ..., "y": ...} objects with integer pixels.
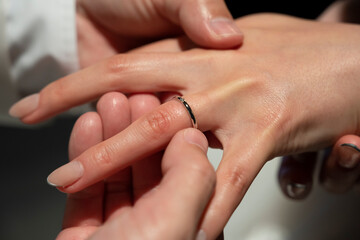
[{"x": 206, "y": 22}]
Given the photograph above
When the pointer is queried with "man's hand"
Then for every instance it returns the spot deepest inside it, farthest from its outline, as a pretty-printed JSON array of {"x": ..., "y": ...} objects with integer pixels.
[
  {"x": 113, "y": 26},
  {"x": 152, "y": 199}
]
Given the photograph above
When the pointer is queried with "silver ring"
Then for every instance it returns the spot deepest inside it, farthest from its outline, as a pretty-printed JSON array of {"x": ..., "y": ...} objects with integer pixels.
[{"x": 188, "y": 108}]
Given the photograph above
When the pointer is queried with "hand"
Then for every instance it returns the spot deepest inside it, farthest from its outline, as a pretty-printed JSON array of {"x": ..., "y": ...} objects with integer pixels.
[
  {"x": 149, "y": 200},
  {"x": 296, "y": 172},
  {"x": 340, "y": 170},
  {"x": 108, "y": 27},
  {"x": 279, "y": 94}
]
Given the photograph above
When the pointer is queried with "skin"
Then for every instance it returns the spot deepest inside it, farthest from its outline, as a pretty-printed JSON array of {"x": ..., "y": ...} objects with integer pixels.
[
  {"x": 300, "y": 169},
  {"x": 339, "y": 171},
  {"x": 105, "y": 28},
  {"x": 281, "y": 93},
  {"x": 130, "y": 204}
]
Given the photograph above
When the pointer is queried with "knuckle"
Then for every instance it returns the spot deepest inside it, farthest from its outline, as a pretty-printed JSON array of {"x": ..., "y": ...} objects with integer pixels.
[
  {"x": 237, "y": 179},
  {"x": 103, "y": 156},
  {"x": 115, "y": 67},
  {"x": 116, "y": 64},
  {"x": 157, "y": 123}
]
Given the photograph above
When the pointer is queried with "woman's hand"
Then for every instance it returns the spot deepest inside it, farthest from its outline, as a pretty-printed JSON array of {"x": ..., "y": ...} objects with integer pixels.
[
  {"x": 108, "y": 27},
  {"x": 149, "y": 200},
  {"x": 296, "y": 172},
  {"x": 283, "y": 92}
]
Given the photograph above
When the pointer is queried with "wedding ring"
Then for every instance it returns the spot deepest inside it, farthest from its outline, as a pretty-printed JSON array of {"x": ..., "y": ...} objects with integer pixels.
[{"x": 190, "y": 112}]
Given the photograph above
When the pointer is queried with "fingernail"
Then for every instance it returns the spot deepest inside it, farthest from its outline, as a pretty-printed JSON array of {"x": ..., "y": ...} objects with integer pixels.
[
  {"x": 296, "y": 190},
  {"x": 193, "y": 136},
  {"x": 66, "y": 175},
  {"x": 25, "y": 106},
  {"x": 224, "y": 27},
  {"x": 201, "y": 235},
  {"x": 349, "y": 156}
]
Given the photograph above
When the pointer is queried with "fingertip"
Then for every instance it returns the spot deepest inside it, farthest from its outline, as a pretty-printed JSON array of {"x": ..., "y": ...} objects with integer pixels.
[
  {"x": 114, "y": 110},
  {"x": 348, "y": 151},
  {"x": 111, "y": 101},
  {"x": 196, "y": 137},
  {"x": 349, "y": 155},
  {"x": 86, "y": 122},
  {"x": 66, "y": 175},
  {"x": 87, "y": 131},
  {"x": 297, "y": 191},
  {"x": 25, "y": 106},
  {"x": 225, "y": 29},
  {"x": 213, "y": 25},
  {"x": 340, "y": 170},
  {"x": 296, "y": 175},
  {"x": 217, "y": 33},
  {"x": 187, "y": 147}
]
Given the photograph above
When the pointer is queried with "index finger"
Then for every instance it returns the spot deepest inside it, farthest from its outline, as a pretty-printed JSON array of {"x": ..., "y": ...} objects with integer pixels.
[
  {"x": 144, "y": 137},
  {"x": 174, "y": 209},
  {"x": 126, "y": 73}
]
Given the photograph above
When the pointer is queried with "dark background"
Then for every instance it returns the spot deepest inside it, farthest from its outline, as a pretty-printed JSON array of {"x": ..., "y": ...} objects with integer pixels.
[
  {"x": 305, "y": 9},
  {"x": 30, "y": 209}
]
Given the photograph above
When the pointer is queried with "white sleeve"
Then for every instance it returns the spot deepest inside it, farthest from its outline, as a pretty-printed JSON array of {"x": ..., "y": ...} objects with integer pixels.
[
  {"x": 8, "y": 93},
  {"x": 41, "y": 39}
]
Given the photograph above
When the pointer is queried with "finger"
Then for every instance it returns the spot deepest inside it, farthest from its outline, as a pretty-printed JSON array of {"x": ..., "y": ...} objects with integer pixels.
[
  {"x": 296, "y": 174},
  {"x": 182, "y": 195},
  {"x": 167, "y": 45},
  {"x": 144, "y": 137},
  {"x": 207, "y": 22},
  {"x": 78, "y": 233},
  {"x": 241, "y": 162},
  {"x": 146, "y": 172},
  {"x": 114, "y": 111},
  {"x": 342, "y": 169},
  {"x": 84, "y": 208},
  {"x": 125, "y": 73}
]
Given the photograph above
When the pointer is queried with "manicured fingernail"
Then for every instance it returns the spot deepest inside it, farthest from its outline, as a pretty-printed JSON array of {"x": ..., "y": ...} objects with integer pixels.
[
  {"x": 25, "y": 106},
  {"x": 193, "y": 136},
  {"x": 349, "y": 156},
  {"x": 66, "y": 175},
  {"x": 224, "y": 27},
  {"x": 296, "y": 190},
  {"x": 201, "y": 235}
]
